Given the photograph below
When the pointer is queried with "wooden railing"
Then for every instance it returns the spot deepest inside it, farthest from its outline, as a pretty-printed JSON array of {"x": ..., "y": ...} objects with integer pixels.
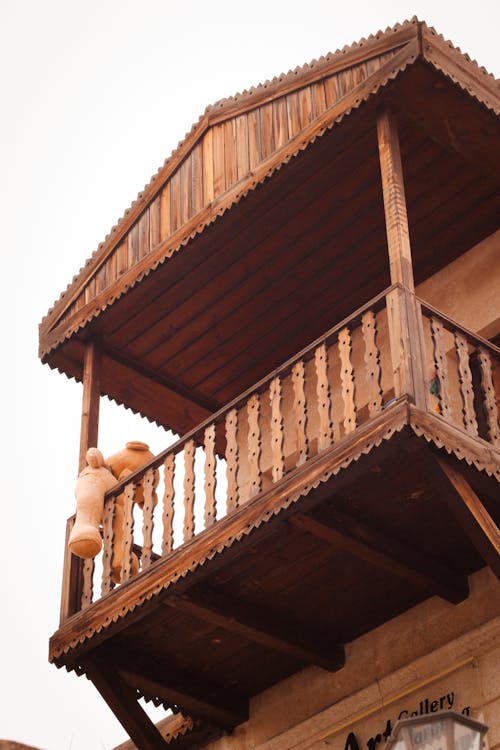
[
  {"x": 346, "y": 377},
  {"x": 464, "y": 376}
]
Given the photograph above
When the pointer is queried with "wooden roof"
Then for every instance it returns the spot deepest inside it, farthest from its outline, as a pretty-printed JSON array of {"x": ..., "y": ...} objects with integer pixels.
[{"x": 184, "y": 262}]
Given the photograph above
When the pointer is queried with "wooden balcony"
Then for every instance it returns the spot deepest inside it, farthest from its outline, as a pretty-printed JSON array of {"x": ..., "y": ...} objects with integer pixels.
[{"x": 312, "y": 508}]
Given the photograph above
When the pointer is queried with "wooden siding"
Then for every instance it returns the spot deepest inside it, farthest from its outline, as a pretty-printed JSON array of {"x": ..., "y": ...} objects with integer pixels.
[{"x": 226, "y": 153}]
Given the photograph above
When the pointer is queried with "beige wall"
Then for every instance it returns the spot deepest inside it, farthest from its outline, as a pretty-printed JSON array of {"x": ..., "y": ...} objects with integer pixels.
[
  {"x": 437, "y": 652},
  {"x": 468, "y": 290}
]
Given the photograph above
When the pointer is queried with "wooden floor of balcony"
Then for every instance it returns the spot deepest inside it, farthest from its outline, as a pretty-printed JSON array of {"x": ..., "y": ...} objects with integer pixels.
[{"x": 360, "y": 533}]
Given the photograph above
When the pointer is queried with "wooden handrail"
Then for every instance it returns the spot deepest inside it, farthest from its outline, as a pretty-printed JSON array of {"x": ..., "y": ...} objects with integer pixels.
[
  {"x": 283, "y": 369},
  {"x": 452, "y": 325}
]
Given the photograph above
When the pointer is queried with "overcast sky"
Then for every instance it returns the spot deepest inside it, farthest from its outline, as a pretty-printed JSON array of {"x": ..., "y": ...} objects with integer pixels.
[{"x": 95, "y": 95}]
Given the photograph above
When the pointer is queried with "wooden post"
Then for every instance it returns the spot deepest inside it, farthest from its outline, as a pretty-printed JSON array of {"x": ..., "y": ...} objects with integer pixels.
[
  {"x": 71, "y": 591},
  {"x": 404, "y": 318},
  {"x": 90, "y": 402}
]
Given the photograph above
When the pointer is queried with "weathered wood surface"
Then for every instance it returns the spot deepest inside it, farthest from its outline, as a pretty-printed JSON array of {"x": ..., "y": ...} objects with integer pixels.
[
  {"x": 232, "y": 459},
  {"x": 300, "y": 412},
  {"x": 278, "y": 459},
  {"x": 372, "y": 360},
  {"x": 90, "y": 401},
  {"x": 168, "y": 505},
  {"x": 148, "y": 519},
  {"x": 210, "y": 475},
  {"x": 189, "y": 477}
]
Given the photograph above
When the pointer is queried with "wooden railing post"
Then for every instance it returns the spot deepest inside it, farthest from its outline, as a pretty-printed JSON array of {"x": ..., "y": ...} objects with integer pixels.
[
  {"x": 404, "y": 317},
  {"x": 90, "y": 402},
  {"x": 71, "y": 590}
]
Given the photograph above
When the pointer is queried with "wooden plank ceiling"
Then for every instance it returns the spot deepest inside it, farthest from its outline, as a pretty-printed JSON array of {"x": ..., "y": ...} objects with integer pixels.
[{"x": 303, "y": 243}]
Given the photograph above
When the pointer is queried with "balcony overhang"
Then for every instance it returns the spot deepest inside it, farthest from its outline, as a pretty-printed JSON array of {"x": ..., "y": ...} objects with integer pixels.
[
  {"x": 360, "y": 533},
  {"x": 299, "y": 238}
]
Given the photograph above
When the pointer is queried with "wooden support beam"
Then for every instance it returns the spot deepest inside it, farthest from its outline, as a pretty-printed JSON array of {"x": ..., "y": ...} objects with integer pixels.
[
  {"x": 262, "y": 628},
  {"x": 386, "y": 553},
  {"x": 470, "y": 513},
  {"x": 90, "y": 403},
  {"x": 403, "y": 312},
  {"x": 214, "y": 713},
  {"x": 122, "y": 700},
  {"x": 175, "y": 687}
]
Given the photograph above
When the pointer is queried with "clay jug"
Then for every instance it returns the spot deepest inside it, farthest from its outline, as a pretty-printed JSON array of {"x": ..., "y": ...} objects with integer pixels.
[{"x": 92, "y": 484}]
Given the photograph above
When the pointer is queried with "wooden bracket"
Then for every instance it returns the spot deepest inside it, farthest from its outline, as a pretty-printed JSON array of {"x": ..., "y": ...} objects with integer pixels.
[
  {"x": 122, "y": 700},
  {"x": 470, "y": 513}
]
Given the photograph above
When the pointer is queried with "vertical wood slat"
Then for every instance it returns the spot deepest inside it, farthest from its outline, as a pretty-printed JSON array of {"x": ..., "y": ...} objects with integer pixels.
[
  {"x": 466, "y": 387},
  {"x": 280, "y": 126},
  {"x": 108, "y": 543},
  {"x": 189, "y": 453},
  {"x": 196, "y": 179},
  {"x": 210, "y": 475},
  {"x": 128, "y": 532},
  {"x": 242, "y": 160},
  {"x": 165, "y": 213},
  {"x": 347, "y": 379},
  {"x": 324, "y": 401},
  {"x": 292, "y": 112},
  {"x": 490, "y": 404},
  {"x": 232, "y": 459},
  {"x": 372, "y": 360},
  {"x": 148, "y": 521},
  {"x": 441, "y": 367},
  {"x": 277, "y": 437},
  {"x": 88, "y": 568},
  {"x": 208, "y": 167},
  {"x": 266, "y": 124},
  {"x": 230, "y": 153},
  {"x": 144, "y": 240},
  {"x": 155, "y": 222},
  {"x": 254, "y": 444},
  {"x": 300, "y": 412},
  {"x": 168, "y": 505},
  {"x": 219, "y": 171},
  {"x": 254, "y": 139}
]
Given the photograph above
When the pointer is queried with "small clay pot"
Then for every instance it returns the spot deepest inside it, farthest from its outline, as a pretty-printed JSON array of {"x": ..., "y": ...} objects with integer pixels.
[{"x": 125, "y": 462}]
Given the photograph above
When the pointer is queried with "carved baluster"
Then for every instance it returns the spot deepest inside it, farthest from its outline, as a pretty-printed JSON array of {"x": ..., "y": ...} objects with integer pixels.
[
  {"x": 347, "y": 378},
  {"x": 254, "y": 444},
  {"x": 108, "y": 544},
  {"x": 490, "y": 404},
  {"x": 278, "y": 459},
  {"x": 466, "y": 387},
  {"x": 210, "y": 476},
  {"x": 372, "y": 359},
  {"x": 128, "y": 532},
  {"x": 168, "y": 505},
  {"x": 324, "y": 402},
  {"x": 441, "y": 367},
  {"x": 87, "y": 582},
  {"x": 189, "y": 450},
  {"x": 148, "y": 522},
  {"x": 300, "y": 412},
  {"x": 232, "y": 459}
]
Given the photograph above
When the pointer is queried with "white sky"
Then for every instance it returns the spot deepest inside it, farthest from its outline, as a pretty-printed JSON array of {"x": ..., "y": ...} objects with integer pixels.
[{"x": 94, "y": 96}]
